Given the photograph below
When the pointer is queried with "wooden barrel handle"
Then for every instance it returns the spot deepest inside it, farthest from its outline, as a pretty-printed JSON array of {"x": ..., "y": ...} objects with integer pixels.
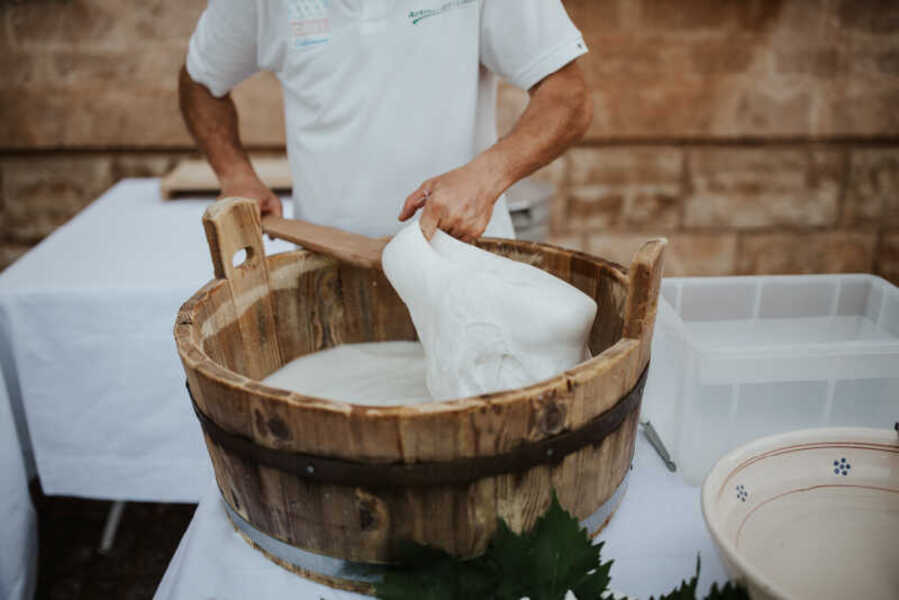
[
  {"x": 345, "y": 246},
  {"x": 232, "y": 225},
  {"x": 644, "y": 282}
]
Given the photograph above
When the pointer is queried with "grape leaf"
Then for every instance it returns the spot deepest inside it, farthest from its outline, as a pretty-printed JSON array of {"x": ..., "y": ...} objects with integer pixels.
[
  {"x": 596, "y": 584},
  {"x": 563, "y": 554},
  {"x": 687, "y": 590},
  {"x": 730, "y": 591},
  {"x": 438, "y": 576},
  {"x": 556, "y": 556},
  {"x": 512, "y": 554}
]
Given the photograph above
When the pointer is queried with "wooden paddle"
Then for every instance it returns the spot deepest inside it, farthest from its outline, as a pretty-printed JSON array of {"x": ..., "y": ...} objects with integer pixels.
[{"x": 345, "y": 246}]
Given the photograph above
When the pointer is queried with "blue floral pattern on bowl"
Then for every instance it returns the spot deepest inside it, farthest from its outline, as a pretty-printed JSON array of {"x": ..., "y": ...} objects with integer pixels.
[
  {"x": 742, "y": 493},
  {"x": 841, "y": 467}
]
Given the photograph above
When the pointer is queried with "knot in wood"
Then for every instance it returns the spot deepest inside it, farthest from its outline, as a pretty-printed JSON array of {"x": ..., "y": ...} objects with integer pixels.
[
  {"x": 372, "y": 512},
  {"x": 551, "y": 418},
  {"x": 274, "y": 426}
]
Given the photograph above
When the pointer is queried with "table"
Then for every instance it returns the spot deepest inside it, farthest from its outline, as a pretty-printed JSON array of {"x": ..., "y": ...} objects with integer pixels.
[
  {"x": 87, "y": 352},
  {"x": 654, "y": 539},
  {"x": 18, "y": 544}
]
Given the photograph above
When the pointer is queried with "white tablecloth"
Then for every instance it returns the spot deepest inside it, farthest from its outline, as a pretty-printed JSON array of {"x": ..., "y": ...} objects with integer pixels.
[
  {"x": 654, "y": 539},
  {"x": 87, "y": 351},
  {"x": 18, "y": 543}
]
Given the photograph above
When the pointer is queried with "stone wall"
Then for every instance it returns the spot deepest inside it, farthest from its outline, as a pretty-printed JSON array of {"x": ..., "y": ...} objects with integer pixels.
[{"x": 759, "y": 136}]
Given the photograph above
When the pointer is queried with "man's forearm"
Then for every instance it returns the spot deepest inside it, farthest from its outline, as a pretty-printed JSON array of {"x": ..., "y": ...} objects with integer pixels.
[
  {"x": 461, "y": 201},
  {"x": 213, "y": 123},
  {"x": 558, "y": 114}
]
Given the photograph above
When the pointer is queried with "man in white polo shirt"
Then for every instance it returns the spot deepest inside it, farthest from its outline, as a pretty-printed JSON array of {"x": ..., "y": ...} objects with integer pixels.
[{"x": 390, "y": 104}]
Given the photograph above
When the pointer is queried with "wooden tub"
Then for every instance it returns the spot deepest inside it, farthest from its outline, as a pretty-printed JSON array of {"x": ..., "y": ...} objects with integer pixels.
[{"x": 327, "y": 488}]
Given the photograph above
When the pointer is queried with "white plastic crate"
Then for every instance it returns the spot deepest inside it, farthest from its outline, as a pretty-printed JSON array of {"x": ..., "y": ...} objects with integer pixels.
[{"x": 736, "y": 358}]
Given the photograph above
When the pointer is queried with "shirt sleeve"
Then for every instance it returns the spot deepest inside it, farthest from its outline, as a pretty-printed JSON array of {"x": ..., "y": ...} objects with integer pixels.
[
  {"x": 523, "y": 41},
  {"x": 222, "y": 50}
]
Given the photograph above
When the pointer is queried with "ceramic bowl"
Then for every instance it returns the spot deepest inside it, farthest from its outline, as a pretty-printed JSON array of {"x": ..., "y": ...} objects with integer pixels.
[{"x": 809, "y": 514}]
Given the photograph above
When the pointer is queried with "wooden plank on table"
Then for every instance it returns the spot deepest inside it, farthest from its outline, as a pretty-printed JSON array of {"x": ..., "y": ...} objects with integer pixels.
[{"x": 196, "y": 176}]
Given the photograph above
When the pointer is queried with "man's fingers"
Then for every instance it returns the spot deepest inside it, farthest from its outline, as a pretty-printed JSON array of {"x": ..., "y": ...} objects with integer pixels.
[
  {"x": 271, "y": 205},
  {"x": 414, "y": 201},
  {"x": 274, "y": 206},
  {"x": 412, "y": 204},
  {"x": 428, "y": 223}
]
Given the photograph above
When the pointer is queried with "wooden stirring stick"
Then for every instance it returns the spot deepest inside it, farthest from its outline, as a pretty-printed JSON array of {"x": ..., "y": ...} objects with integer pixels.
[{"x": 345, "y": 246}]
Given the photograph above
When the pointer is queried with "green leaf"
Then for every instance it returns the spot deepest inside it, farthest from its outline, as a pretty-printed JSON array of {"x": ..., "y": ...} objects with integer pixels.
[
  {"x": 438, "y": 576},
  {"x": 595, "y": 584},
  {"x": 563, "y": 553},
  {"x": 687, "y": 589},
  {"x": 513, "y": 556},
  {"x": 730, "y": 591},
  {"x": 554, "y": 557}
]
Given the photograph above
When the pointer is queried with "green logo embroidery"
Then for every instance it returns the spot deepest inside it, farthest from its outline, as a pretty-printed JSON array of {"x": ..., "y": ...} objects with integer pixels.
[{"x": 420, "y": 15}]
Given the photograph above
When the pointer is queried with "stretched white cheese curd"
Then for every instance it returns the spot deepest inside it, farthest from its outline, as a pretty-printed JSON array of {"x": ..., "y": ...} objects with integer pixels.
[{"x": 486, "y": 323}]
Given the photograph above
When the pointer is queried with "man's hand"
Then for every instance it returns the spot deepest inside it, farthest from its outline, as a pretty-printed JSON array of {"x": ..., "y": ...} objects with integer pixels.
[
  {"x": 213, "y": 123},
  {"x": 254, "y": 189},
  {"x": 459, "y": 202}
]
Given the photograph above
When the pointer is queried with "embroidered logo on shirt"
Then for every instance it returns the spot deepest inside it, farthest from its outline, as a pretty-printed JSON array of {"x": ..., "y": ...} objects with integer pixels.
[
  {"x": 415, "y": 16},
  {"x": 309, "y": 25}
]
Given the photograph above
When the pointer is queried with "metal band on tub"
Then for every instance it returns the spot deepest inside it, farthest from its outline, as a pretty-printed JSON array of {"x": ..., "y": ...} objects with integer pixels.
[
  {"x": 423, "y": 474},
  {"x": 331, "y": 567}
]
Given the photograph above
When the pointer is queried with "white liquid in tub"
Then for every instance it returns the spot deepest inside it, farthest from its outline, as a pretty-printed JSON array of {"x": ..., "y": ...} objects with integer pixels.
[{"x": 376, "y": 374}]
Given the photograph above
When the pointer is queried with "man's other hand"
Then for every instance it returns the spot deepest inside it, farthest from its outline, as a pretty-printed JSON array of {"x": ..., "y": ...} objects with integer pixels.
[
  {"x": 459, "y": 202},
  {"x": 252, "y": 188}
]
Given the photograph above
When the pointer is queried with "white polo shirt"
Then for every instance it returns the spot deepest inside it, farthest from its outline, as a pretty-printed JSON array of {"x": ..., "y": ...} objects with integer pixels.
[{"x": 380, "y": 95}]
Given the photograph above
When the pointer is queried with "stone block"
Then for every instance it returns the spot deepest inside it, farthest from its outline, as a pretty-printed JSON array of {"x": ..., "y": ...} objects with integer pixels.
[
  {"x": 677, "y": 105},
  {"x": 41, "y": 193},
  {"x": 639, "y": 58},
  {"x": 624, "y": 205},
  {"x": 888, "y": 257},
  {"x": 762, "y": 187},
  {"x": 864, "y": 102},
  {"x": 573, "y": 241},
  {"x": 861, "y": 106},
  {"x": 40, "y": 24},
  {"x": 94, "y": 115},
  {"x": 595, "y": 15},
  {"x": 144, "y": 164},
  {"x": 99, "y": 23},
  {"x": 824, "y": 60},
  {"x": 664, "y": 108},
  {"x": 654, "y": 165},
  {"x": 260, "y": 105},
  {"x": 873, "y": 16},
  {"x": 687, "y": 254},
  {"x": 558, "y": 213},
  {"x": 631, "y": 187},
  {"x": 730, "y": 55},
  {"x": 699, "y": 15},
  {"x": 872, "y": 191},
  {"x": 771, "y": 106},
  {"x": 155, "y": 67},
  {"x": 795, "y": 252},
  {"x": 105, "y": 117},
  {"x": 555, "y": 172},
  {"x": 887, "y": 62}
]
